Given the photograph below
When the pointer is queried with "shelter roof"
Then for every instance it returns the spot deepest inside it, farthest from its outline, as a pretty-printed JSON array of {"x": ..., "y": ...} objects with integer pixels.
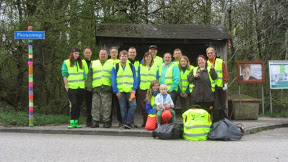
[{"x": 162, "y": 31}]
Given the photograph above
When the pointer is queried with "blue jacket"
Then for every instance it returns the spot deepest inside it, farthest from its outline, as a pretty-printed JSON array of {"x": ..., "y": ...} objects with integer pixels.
[
  {"x": 114, "y": 77},
  {"x": 175, "y": 75}
]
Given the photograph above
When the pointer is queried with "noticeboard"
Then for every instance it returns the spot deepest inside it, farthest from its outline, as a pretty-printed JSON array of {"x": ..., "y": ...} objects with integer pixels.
[{"x": 278, "y": 74}]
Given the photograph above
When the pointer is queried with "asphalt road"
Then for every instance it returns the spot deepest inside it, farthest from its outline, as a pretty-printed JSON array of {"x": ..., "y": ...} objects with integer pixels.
[{"x": 269, "y": 146}]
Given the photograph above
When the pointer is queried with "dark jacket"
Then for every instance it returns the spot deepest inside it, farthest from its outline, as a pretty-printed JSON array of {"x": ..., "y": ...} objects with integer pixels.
[{"x": 202, "y": 87}]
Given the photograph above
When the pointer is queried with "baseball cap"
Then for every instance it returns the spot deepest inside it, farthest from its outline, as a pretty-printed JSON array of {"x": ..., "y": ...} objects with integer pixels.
[{"x": 153, "y": 46}]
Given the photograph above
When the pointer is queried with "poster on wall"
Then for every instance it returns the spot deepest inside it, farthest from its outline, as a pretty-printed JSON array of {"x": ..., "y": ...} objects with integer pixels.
[
  {"x": 250, "y": 72},
  {"x": 278, "y": 74}
]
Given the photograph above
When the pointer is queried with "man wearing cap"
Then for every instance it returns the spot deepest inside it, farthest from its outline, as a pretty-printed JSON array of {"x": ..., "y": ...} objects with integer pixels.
[
  {"x": 88, "y": 94},
  {"x": 157, "y": 60},
  {"x": 74, "y": 71},
  {"x": 99, "y": 78}
]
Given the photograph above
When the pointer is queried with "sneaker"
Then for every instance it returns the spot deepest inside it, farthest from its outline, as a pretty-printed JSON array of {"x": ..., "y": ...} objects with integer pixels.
[{"x": 128, "y": 126}]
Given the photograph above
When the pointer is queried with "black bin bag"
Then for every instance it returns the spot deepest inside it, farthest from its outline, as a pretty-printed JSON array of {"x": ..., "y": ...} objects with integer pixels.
[
  {"x": 168, "y": 131},
  {"x": 224, "y": 130}
]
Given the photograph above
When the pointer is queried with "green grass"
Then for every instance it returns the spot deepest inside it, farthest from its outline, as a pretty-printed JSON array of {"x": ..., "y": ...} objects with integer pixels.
[{"x": 13, "y": 118}]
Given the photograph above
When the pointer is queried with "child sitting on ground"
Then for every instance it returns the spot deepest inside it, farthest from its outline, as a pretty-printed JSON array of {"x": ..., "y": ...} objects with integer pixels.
[{"x": 163, "y": 102}]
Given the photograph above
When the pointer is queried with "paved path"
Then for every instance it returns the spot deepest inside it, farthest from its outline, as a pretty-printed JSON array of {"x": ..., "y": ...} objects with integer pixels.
[{"x": 251, "y": 126}]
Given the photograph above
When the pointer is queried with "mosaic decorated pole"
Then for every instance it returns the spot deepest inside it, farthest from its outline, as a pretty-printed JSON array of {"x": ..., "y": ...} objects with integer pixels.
[
  {"x": 30, "y": 76},
  {"x": 30, "y": 35}
]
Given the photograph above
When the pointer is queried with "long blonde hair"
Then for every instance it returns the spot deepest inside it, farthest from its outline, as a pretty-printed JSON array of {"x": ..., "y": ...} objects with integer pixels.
[
  {"x": 188, "y": 62},
  {"x": 149, "y": 91}
]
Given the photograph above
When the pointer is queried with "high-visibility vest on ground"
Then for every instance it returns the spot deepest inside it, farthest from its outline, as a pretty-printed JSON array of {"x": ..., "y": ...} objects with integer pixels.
[
  {"x": 168, "y": 76},
  {"x": 101, "y": 73},
  {"x": 154, "y": 106},
  {"x": 147, "y": 76},
  {"x": 124, "y": 78},
  {"x": 76, "y": 75},
  {"x": 184, "y": 84},
  {"x": 197, "y": 124},
  {"x": 218, "y": 68},
  {"x": 212, "y": 82}
]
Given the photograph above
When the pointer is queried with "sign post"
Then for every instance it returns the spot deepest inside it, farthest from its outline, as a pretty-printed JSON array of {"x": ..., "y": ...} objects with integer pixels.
[{"x": 30, "y": 35}]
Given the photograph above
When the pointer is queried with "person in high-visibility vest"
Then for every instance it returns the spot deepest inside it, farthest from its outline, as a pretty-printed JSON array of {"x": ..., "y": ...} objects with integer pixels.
[
  {"x": 151, "y": 108},
  {"x": 183, "y": 89},
  {"x": 177, "y": 54},
  {"x": 169, "y": 74},
  {"x": 124, "y": 84},
  {"x": 88, "y": 95},
  {"x": 74, "y": 71},
  {"x": 99, "y": 82},
  {"x": 158, "y": 61},
  {"x": 115, "y": 103},
  {"x": 147, "y": 72},
  {"x": 202, "y": 79},
  {"x": 132, "y": 53},
  {"x": 220, "y": 110}
]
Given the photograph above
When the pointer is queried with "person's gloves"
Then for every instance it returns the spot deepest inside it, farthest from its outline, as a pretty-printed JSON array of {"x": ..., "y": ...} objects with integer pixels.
[{"x": 225, "y": 87}]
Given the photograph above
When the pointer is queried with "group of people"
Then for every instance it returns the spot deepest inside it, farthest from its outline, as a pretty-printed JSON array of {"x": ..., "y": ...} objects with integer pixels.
[{"x": 155, "y": 82}]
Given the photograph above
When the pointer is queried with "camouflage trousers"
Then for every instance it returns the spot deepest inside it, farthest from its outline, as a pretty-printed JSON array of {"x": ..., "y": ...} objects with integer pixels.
[{"x": 101, "y": 105}]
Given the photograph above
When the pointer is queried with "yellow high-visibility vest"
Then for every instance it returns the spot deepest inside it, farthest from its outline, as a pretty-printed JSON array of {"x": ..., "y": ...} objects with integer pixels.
[
  {"x": 197, "y": 123},
  {"x": 158, "y": 61},
  {"x": 136, "y": 65},
  {"x": 76, "y": 75},
  {"x": 124, "y": 78},
  {"x": 154, "y": 106},
  {"x": 168, "y": 76},
  {"x": 218, "y": 68},
  {"x": 115, "y": 61},
  {"x": 101, "y": 73},
  {"x": 147, "y": 76},
  {"x": 184, "y": 84}
]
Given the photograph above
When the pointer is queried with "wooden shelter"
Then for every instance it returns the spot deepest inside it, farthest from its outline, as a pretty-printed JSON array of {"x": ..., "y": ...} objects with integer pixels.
[{"x": 191, "y": 39}]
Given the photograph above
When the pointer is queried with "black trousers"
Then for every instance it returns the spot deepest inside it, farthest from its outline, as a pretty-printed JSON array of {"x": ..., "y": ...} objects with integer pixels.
[
  {"x": 75, "y": 97},
  {"x": 115, "y": 105},
  {"x": 88, "y": 101}
]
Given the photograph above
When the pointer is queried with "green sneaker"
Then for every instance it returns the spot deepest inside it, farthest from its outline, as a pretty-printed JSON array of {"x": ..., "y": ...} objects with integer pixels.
[
  {"x": 71, "y": 124},
  {"x": 76, "y": 125}
]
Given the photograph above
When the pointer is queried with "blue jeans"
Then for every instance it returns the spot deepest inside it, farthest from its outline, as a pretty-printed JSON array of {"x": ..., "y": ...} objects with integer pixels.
[{"x": 127, "y": 111}]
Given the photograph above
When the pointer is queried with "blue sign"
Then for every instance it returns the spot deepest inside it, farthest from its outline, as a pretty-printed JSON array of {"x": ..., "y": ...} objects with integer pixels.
[{"x": 29, "y": 35}]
